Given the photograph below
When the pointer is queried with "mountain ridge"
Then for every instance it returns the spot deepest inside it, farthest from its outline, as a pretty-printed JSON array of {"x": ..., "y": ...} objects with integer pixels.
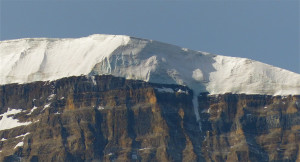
[{"x": 42, "y": 59}]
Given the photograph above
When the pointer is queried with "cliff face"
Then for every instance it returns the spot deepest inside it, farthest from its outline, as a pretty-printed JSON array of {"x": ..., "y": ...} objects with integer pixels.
[
  {"x": 105, "y": 118},
  {"x": 251, "y": 128}
]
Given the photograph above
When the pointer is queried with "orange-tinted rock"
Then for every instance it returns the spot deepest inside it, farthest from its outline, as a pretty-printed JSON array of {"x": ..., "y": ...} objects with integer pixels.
[{"x": 127, "y": 120}]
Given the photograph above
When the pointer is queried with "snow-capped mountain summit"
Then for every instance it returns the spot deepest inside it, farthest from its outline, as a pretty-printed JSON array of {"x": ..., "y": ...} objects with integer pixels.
[{"x": 41, "y": 59}]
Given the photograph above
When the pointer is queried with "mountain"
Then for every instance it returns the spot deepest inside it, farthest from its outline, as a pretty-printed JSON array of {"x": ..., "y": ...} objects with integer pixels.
[
  {"x": 42, "y": 59},
  {"x": 119, "y": 98}
]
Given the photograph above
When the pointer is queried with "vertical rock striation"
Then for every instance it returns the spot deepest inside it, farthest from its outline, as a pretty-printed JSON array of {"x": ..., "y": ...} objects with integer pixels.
[{"x": 106, "y": 118}]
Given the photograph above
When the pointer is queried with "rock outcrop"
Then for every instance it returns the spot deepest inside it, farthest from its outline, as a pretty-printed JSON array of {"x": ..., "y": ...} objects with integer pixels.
[{"x": 106, "y": 118}]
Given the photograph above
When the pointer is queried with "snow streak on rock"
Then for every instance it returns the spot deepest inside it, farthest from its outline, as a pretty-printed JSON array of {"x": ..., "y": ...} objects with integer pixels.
[{"x": 8, "y": 121}]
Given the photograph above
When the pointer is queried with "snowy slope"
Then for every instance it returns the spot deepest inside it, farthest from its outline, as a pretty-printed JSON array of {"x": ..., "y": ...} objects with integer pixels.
[{"x": 42, "y": 59}]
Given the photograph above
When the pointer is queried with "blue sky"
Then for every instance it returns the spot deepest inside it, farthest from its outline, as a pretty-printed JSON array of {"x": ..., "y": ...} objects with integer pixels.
[{"x": 266, "y": 31}]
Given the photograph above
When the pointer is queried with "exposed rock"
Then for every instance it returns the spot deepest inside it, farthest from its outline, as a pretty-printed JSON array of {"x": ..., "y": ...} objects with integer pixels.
[{"x": 106, "y": 118}]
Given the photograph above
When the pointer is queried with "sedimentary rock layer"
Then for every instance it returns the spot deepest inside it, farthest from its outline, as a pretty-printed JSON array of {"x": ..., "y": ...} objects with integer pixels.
[{"x": 106, "y": 118}]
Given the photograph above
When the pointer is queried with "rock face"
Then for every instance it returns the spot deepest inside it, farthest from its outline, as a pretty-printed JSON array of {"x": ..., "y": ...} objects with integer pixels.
[{"x": 106, "y": 118}]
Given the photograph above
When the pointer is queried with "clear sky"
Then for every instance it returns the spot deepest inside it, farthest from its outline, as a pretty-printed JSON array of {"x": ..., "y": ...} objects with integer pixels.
[{"x": 266, "y": 31}]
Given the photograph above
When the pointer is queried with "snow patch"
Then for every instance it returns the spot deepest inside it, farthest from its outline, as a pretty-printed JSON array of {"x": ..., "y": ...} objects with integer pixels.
[
  {"x": 9, "y": 122},
  {"x": 23, "y": 135},
  {"x": 3, "y": 139},
  {"x": 32, "y": 110},
  {"x": 205, "y": 111},
  {"x": 46, "y": 106},
  {"x": 184, "y": 49},
  {"x": 100, "y": 108},
  {"x": 198, "y": 75},
  {"x": 146, "y": 148},
  {"x": 93, "y": 80},
  {"x": 20, "y": 144},
  {"x": 51, "y": 97},
  {"x": 165, "y": 90},
  {"x": 182, "y": 91}
]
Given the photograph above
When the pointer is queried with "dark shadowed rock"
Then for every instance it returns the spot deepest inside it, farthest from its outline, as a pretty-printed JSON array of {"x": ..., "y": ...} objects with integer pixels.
[{"x": 106, "y": 118}]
